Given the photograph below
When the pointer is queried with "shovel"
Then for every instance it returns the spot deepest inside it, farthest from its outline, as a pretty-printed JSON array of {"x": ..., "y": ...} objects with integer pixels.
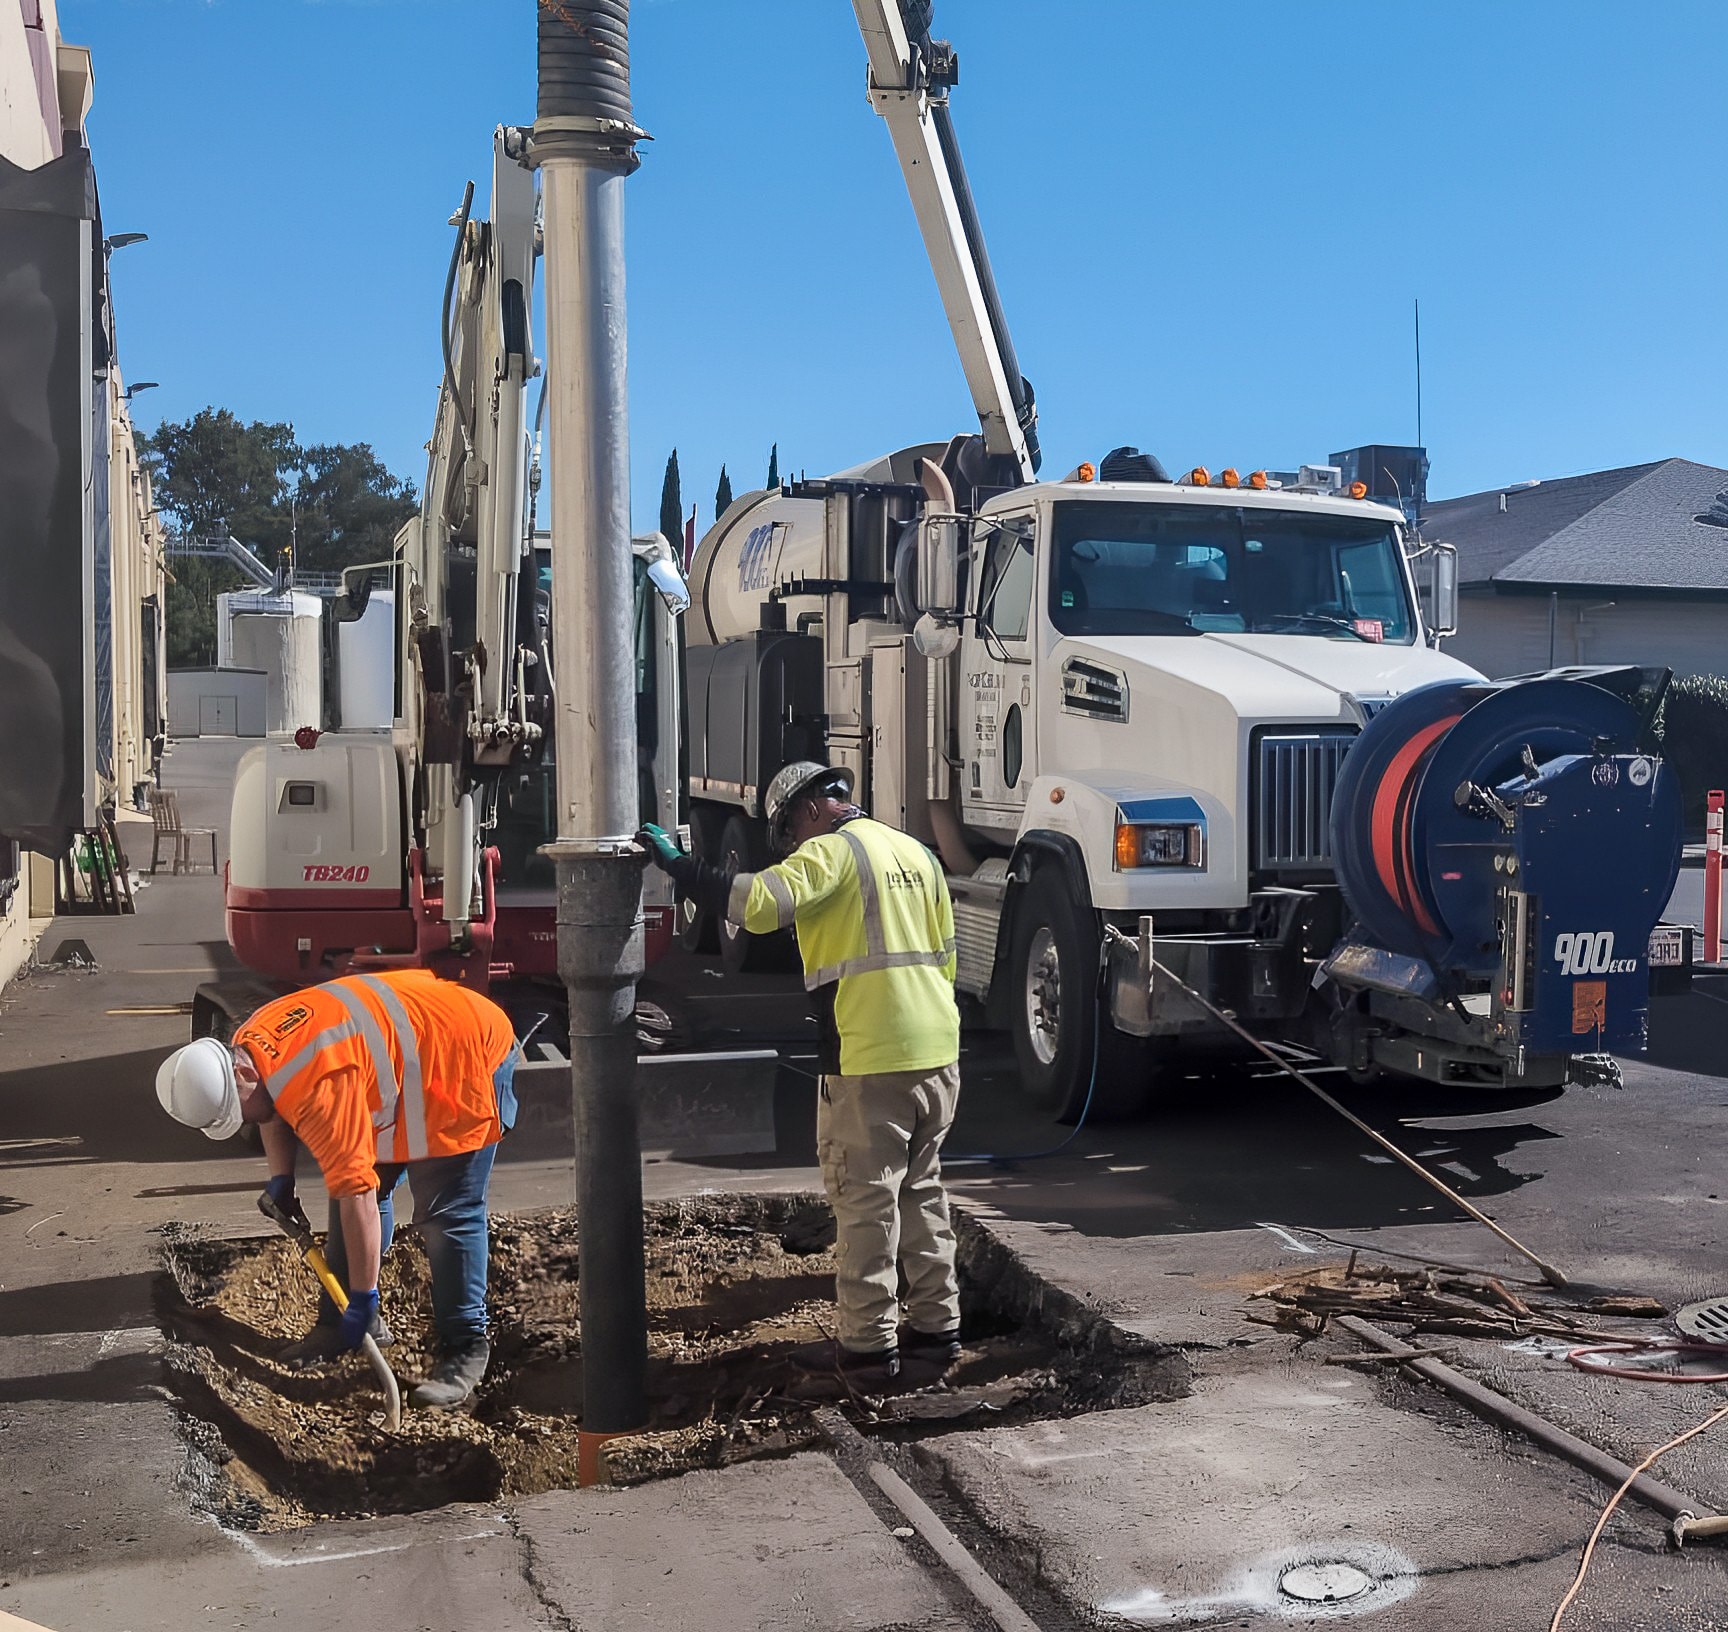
[{"x": 314, "y": 1255}]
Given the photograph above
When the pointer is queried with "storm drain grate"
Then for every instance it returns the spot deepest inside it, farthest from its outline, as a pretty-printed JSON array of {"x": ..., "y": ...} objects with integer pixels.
[{"x": 1707, "y": 1321}]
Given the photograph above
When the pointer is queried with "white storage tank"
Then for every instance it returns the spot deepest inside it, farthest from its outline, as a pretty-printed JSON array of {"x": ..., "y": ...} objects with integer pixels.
[
  {"x": 366, "y": 666},
  {"x": 283, "y": 636}
]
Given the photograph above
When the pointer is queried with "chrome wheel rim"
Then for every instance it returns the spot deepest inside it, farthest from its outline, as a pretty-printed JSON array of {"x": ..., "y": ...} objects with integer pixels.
[{"x": 1043, "y": 996}]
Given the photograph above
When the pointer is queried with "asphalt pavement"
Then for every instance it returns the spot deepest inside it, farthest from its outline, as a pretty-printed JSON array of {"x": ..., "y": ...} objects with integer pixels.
[{"x": 1183, "y": 1513}]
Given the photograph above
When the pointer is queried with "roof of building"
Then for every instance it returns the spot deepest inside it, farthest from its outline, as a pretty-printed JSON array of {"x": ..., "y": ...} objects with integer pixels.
[{"x": 1638, "y": 527}]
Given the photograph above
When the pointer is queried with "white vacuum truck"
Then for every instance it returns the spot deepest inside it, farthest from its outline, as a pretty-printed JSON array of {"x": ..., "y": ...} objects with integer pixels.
[{"x": 1122, "y": 702}]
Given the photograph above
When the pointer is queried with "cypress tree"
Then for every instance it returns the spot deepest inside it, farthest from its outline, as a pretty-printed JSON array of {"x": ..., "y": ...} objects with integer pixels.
[
  {"x": 722, "y": 494},
  {"x": 672, "y": 506},
  {"x": 773, "y": 467}
]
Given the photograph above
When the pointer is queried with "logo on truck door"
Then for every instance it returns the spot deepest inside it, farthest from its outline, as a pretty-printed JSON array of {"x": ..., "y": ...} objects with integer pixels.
[{"x": 1588, "y": 954}]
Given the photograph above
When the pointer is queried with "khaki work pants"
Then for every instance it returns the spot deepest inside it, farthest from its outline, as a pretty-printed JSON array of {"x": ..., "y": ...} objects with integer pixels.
[{"x": 879, "y": 1139}]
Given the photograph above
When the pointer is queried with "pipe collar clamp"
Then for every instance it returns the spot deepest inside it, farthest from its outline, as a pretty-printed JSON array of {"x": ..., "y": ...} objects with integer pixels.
[{"x": 563, "y": 136}]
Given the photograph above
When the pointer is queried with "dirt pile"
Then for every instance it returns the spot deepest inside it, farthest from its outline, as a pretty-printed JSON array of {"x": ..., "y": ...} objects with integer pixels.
[{"x": 727, "y": 1301}]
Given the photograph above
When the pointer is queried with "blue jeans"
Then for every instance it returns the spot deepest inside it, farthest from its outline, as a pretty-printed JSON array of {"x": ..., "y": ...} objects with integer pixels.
[{"x": 450, "y": 1212}]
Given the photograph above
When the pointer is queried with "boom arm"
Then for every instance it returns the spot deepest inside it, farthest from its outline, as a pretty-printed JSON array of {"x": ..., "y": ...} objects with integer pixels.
[
  {"x": 469, "y": 718},
  {"x": 910, "y": 75}
]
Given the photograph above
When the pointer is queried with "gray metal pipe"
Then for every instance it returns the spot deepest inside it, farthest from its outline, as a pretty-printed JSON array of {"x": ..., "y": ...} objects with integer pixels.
[
  {"x": 1497, "y": 1409},
  {"x": 583, "y": 143}
]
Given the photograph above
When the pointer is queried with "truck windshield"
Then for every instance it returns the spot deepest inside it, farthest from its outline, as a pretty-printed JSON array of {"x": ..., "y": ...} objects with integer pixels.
[{"x": 1163, "y": 569}]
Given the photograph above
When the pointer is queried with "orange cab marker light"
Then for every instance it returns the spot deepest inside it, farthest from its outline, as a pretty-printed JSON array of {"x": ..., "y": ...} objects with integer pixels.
[
  {"x": 1229, "y": 477},
  {"x": 1257, "y": 480},
  {"x": 1199, "y": 476},
  {"x": 1087, "y": 472},
  {"x": 1358, "y": 490}
]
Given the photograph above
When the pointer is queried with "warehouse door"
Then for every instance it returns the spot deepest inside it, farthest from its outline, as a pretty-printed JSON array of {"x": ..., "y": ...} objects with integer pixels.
[{"x": 217, "y": 716}]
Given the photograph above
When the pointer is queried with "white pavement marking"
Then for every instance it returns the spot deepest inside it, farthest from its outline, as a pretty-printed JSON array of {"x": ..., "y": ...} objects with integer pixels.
[{"x": 1287, "y": 1238}]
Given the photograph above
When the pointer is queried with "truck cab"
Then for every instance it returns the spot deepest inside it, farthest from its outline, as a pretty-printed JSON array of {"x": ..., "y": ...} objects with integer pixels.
[{"x": 1096, "y": 701}]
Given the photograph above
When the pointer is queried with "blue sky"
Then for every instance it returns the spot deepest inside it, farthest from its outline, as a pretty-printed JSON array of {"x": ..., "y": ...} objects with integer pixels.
[{"x": 1208, "y": 223}]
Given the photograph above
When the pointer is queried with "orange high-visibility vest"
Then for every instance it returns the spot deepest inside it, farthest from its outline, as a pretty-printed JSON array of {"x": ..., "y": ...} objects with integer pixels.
[{"x": 391, "y": 1067}]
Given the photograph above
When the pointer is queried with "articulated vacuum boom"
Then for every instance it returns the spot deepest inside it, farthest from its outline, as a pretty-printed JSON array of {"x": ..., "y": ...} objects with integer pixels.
[{"x": 1506, "y": 849}]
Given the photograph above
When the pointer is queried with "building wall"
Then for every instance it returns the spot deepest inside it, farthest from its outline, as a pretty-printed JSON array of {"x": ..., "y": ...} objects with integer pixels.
[
  {"x": 44, "y": 89},
  {"x": 136, "y": 547},
  {"x": 1510, "y": 634},
  {"x": 241, "y": 691}
]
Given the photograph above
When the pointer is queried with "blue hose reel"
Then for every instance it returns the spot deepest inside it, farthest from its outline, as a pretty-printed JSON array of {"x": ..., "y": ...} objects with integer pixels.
[{"x": 1521, "y": 834}]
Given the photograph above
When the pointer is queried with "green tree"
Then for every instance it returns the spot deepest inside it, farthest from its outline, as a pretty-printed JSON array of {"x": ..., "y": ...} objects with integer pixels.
[
  {"x": 672, "y": 507},
  {"x": 349, "y": 507},
  {"x": 722, "y": 494},
  {"x": 773, "y": 468},
  {"x": 213, "y": 476}
]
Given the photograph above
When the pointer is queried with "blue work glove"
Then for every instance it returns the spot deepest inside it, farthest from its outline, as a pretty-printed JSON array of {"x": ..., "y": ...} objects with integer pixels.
[
  {"x": 280, "y": 1204},
  {"x": 356, "y": 1320},
  {"x": 659, "y": 844}
]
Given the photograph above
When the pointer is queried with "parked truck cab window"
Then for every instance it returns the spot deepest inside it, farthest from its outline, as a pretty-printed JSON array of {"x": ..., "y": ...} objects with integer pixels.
[
  {"x": 1005, "y": 591},
  {"x": 1142, "y": 569}
]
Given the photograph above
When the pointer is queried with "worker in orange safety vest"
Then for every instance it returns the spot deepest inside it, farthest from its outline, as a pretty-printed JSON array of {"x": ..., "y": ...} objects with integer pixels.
[{"x": 377, "y": 1075}]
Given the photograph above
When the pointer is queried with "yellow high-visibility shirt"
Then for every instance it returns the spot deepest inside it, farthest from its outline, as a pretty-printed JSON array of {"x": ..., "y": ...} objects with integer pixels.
[{"x": 874, "y": 919}]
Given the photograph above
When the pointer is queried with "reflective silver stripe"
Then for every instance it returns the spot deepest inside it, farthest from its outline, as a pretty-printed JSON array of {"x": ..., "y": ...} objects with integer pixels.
[
  {"x": 738, "y": 897},
  {"x": 278, "y": 1077},
  {"x": 776, "y": 886},
  {"x": 413, "y": 1100},
  {"x": 874, "y": 960},
  {"x": 389, "y": 1091},
  {"x": 874, "y": 940}
]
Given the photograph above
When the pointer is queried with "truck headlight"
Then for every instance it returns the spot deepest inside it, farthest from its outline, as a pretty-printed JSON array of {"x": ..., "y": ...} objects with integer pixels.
[{"x": 1159, "y": 844}]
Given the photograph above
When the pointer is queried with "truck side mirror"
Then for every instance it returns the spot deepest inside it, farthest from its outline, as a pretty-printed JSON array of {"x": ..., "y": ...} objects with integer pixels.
[
  {"x": 1445, "y": 615},
  {"x": 939, "y": 566},
  {"x": 669, "y": 581}
]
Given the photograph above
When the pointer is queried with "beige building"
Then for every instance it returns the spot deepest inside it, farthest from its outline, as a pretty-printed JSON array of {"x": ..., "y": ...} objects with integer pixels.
[{"x": 46, "y": 88}]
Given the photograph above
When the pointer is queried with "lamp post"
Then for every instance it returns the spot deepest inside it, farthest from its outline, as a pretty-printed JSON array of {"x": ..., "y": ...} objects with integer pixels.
[{"x": 132, "y": 390}]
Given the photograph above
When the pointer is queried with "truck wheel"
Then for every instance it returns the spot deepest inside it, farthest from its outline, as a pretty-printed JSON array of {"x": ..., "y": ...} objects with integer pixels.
[
  {"x": 698, "y": 930},
  {"x": 742, "y": 850},
  {"x": 1055, "y": 1013}
]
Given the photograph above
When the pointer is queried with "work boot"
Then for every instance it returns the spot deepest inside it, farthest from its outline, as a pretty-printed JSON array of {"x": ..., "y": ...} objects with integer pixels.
[
  {"x": 941, "y": 1348},
  {"x": 454, "y": 1378},
  {"x": 867, "y": 1369},
  {"x": 319, "y": 1346}
]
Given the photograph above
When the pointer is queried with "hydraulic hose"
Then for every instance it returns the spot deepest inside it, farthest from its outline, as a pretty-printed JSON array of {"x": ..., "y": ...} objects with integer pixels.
[{"x": 584, "y": 59}]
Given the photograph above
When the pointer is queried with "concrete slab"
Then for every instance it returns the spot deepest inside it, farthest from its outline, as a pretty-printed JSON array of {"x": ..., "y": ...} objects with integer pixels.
[
  {"x": 761, "y": 1545},
  {"x": 1187, "y": 1513},
  {"x": 446, "y": 1572}
]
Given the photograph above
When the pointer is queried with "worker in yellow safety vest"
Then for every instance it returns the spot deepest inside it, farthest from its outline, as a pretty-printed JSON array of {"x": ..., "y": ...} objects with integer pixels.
[
  {"x": 378, "y": 1076},
  {"x": 876, "y": 933}
]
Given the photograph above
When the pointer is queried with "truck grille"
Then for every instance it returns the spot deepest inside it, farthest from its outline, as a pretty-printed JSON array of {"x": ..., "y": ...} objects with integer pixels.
[
  {"x": 1294, "y": 780},
  {"x": 1093, "y": 689}
]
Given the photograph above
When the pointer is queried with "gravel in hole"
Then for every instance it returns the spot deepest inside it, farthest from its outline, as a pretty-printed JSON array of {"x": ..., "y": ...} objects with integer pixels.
[{"x": 272, "y": 1448}]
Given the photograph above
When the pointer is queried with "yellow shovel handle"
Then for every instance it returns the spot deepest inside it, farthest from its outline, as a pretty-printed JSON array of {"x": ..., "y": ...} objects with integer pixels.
[
  {"x": 386, "y": 1377},
  {"x": 321, "y": 1268}
]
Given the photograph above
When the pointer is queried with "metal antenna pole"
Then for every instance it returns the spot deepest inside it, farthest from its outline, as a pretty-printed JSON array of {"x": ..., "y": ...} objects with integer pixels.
[{"x": 584, "y": 144}]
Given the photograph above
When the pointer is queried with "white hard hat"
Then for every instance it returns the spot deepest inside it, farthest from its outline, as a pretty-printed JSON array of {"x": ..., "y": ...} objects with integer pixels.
[
  {"x": 803, "y": 776},
  {"x": 196, "y": 1086}
]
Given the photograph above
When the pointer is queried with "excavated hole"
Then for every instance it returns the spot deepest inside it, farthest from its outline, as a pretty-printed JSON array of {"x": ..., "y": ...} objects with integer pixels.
[{"x": 271, "y": 1448}]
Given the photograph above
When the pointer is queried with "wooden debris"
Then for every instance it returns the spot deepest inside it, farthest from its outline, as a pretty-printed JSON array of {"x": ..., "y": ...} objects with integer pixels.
[{"x": 1435, "y": 1302}]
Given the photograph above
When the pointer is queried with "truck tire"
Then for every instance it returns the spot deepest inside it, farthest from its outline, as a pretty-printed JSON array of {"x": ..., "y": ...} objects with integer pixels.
[
  {"x": 698, "y": 930},
  {"x": 744, "y": 850},
  {"x": 1055, "y": 1012}
]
